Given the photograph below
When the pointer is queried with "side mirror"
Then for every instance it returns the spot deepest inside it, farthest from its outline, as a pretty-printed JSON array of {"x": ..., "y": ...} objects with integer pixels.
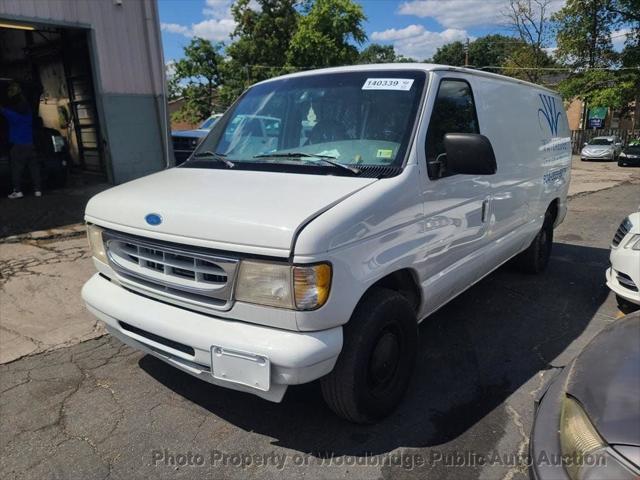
[
  {"x": 470, "y": 154},
  {"x": 585, "y": 144}
]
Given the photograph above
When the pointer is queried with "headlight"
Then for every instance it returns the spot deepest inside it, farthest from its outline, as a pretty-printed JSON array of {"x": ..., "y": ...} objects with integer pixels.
[
  {"x": 622, "y": 154},
  {"x": 94, "y": 234},
  {"x": 578, "y": 437},
  {"x": 633, "y": 243},
  {"x": 285, "y": 286}
]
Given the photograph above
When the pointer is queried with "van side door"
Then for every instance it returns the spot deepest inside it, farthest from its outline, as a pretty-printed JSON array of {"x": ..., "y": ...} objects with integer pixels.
[{"x": 456, "y": 206}]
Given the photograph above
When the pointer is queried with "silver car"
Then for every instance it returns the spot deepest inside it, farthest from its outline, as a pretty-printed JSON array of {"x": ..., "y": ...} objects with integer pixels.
[{"x": 602, "y": 148}]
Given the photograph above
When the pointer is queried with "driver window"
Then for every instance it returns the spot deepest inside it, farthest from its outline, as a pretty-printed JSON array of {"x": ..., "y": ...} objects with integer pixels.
[{"x": 454, "y": 111}]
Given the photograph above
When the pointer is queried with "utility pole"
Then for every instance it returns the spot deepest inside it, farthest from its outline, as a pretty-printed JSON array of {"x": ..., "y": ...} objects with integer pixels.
[{"x": 466, "y": 53}]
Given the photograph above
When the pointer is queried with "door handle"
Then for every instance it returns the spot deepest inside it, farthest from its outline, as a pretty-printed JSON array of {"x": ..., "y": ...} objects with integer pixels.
[{"x": 485, "y": 210}]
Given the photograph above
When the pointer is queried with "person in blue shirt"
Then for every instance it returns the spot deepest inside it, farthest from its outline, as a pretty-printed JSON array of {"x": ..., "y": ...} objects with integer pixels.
[{"x": 22, "y": 154}]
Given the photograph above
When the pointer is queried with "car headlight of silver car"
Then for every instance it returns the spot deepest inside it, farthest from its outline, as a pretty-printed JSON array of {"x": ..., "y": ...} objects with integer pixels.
[{"x": 299, "y": 287}]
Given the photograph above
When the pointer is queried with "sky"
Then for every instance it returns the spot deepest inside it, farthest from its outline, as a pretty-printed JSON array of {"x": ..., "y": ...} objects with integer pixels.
[{"x": 416, "y": 28}]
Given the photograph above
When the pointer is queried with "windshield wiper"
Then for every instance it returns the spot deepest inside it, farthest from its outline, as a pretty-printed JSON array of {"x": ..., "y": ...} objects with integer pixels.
[
  {"x": 325, "y": 158},
  {"x": 220, "y": 157}
]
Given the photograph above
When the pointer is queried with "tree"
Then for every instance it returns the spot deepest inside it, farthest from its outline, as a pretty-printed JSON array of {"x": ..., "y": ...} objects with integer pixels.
[
  {"x": 376, "y": 53},
  {"x": 487, "y": 53},
  {"x": 260, "y": 40},
  {"x": 326, "y": 35},
  {"x": 584, "y": 34},
  {"x": 530, "y": 21},
  {"x": 174, "y": 89},
  {"x": 627, "y": 16},
  {"x": 528, "y": 64},
  {"x": 584, "y": 44},
  {"x": 492, "y": 51},
  {"x": 199, "y": 75},
  {"x": 450, "y": 54}
]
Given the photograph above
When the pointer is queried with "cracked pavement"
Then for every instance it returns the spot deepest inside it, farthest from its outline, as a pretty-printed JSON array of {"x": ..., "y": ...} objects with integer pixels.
[
  {"x": 40, "y": 308},
  {"x": 101, "y": 410}
]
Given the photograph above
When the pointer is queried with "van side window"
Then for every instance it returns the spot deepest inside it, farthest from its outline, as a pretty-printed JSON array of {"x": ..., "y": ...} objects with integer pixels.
[{"x": 454, "y": 111}]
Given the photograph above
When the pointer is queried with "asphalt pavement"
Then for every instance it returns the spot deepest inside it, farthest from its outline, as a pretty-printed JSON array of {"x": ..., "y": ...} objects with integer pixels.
[{"x": 99, "y": 409}]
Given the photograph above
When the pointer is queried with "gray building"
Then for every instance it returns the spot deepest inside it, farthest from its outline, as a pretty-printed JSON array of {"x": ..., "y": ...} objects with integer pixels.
[{"x": 95, "y": 69}]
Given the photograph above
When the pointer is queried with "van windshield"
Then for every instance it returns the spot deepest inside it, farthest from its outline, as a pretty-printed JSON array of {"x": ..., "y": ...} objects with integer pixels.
[{"x": 359, "y": 119}]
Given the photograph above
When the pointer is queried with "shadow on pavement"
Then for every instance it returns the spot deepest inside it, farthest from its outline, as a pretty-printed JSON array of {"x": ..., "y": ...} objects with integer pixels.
[
  {"x": 55, "y": 208},
  {"x": 475, "y": 352}
]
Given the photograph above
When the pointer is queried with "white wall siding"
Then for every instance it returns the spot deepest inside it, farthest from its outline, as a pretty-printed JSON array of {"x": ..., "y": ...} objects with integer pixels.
[{"x": 127, "y": 38}]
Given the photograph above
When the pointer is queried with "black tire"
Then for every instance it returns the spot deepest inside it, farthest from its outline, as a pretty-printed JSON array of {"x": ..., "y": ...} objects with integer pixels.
[
  {"x": 625, "y": 305},
  {"x": 377, "y": 359},
  {"x": 621, "y": 164},
  {"x": 536, "y": 257}
]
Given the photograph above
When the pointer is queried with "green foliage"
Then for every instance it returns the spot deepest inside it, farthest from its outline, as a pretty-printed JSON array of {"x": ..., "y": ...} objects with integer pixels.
[
  {"x": 376, "y": 53},
  {"x": 584, "y": 34},
  {"x": 528, "y": 63},
  {"x": 259, "y": 41},
  {"x": 199, "y": 74},
  {"x": 450, "y": 54},
  {"x": 584, "y": 43},
  {"x": 601, "y": 88},
  {"x": 325, "y": 34},
  {"x": 484, "y": 52},
  {"x": 492, "y": 51}
]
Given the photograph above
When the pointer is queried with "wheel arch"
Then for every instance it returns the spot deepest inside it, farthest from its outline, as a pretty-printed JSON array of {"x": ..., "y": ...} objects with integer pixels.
[
  {"x": 404, "y": 281},
  {"x": 554, "y": 209}
]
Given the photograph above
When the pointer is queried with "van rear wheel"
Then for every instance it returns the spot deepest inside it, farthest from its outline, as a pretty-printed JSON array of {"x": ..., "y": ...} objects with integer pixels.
[
  {"x": 377, "y": 359},
  {"x": 536, "y": 257}
]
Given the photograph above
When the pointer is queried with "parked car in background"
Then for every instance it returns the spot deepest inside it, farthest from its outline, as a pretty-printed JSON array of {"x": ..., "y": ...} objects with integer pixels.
[
  {"x": 602, "y": 148},
  {"x": 587, "y": 422},
  {"x": 284, "y": 252},
  {"x": 623, "y": 277},
  {"x": 185, "y": 141},
  {"x": 630, "y": 156}
]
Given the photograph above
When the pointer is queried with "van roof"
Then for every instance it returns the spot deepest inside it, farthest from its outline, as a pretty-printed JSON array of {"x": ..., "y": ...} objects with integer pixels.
[{"x": 426, "y": 67}]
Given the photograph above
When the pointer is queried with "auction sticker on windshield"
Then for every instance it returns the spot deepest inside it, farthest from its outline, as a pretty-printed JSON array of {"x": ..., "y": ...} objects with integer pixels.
[{"x": 403, "y": 84}]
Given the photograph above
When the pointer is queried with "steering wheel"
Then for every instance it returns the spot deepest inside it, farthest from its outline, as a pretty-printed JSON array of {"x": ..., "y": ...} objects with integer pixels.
[{"x": 327, "y": 131}]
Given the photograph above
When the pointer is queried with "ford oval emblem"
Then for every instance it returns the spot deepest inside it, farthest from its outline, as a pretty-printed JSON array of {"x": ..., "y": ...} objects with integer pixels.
[{"x": 153, "y": 219}]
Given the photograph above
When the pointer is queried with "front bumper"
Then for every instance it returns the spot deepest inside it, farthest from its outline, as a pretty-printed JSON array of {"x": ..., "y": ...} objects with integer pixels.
[
  {"x": 185, "y": 339},
  {"x": 623, "y": 277},
  {"x": 633, "y": 161},
  {"x": 597, "y": 156}
]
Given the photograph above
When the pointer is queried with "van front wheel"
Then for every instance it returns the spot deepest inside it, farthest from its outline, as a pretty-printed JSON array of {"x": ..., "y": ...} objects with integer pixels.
[{"x": 377, "y": 359}]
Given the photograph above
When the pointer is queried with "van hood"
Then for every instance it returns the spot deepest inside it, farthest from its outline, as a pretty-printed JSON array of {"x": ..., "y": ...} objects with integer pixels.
[{"x": 253, "y": 212}]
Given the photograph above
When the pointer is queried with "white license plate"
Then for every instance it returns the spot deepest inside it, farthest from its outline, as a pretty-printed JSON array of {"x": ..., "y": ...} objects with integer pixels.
[{"x": 241, "y": 367}]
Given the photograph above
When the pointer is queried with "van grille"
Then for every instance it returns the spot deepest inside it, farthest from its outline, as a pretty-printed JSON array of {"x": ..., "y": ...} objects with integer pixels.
[
  {"x": 622, "y": 231},
  {"x": 179, "y": 272}
]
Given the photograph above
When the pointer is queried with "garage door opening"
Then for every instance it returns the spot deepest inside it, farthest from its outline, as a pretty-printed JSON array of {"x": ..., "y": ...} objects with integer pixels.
[{"x": 53, "y": 68}]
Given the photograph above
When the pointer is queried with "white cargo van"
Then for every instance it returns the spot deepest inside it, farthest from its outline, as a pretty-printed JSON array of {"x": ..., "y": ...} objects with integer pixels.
[{"x": 310, "y": 246}]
